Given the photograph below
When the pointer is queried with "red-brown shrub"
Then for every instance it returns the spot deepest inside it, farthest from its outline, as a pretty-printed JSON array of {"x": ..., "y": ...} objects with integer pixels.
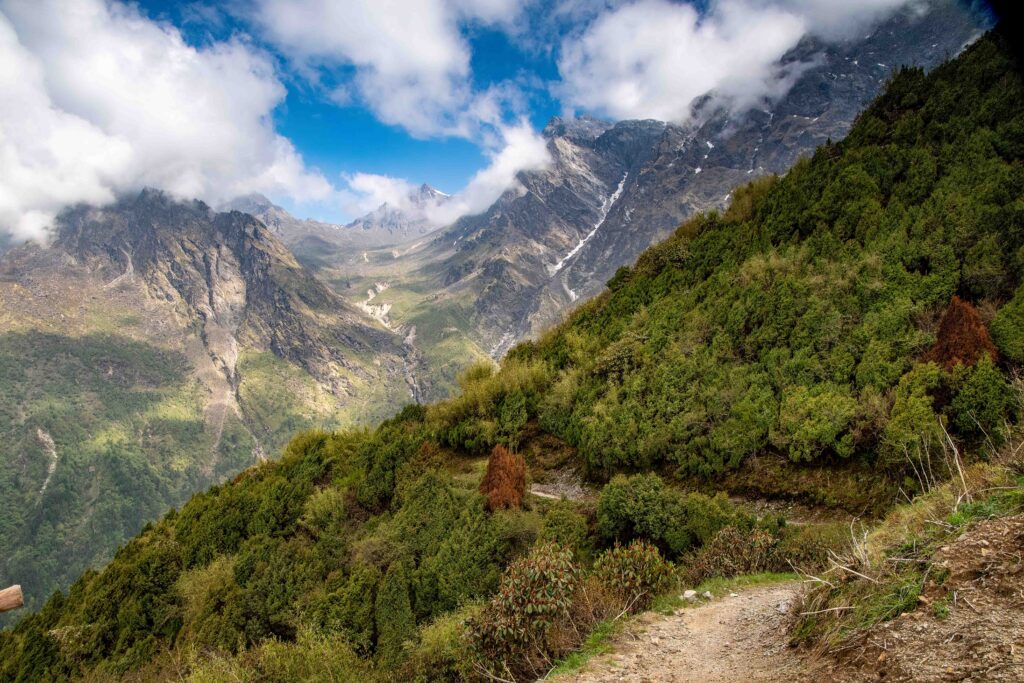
[
  {"x": 962, "y": 337},
  {"x": 504, "y": 483}
]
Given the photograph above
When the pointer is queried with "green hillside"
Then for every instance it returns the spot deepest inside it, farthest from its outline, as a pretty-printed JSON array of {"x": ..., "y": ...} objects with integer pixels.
[{"x": 801, "y": 345}]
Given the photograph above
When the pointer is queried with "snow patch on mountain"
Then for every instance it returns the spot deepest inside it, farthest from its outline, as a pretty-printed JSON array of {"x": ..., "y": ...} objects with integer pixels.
[{"x": 606, "y": 206}]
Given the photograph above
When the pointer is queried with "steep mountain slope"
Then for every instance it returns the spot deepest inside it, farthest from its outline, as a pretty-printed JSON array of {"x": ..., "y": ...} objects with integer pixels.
[
  {"x": 615, "y": 189},
  {"x": 800, "y": 328},
  {"x": 154, "y": 348}
]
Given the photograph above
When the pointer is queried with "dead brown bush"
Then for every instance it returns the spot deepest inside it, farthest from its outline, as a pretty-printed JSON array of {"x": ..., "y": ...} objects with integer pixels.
[
  {"x": 504, "y": 483},
  {"x": 962, "y": 337}
]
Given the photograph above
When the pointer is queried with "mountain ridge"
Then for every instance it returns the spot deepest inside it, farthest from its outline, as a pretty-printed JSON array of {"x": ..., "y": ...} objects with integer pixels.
[
  {"x": 209, "y": 345},
  {"x": 508, "y": 273}
]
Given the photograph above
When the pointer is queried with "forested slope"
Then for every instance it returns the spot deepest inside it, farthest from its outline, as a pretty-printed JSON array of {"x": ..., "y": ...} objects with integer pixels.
[{"x": 812, "y": 325}]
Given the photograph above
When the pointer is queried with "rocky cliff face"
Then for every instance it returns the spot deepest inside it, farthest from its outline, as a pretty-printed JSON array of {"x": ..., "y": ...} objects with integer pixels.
[
  {"x": 615, "y": 189},
  {"x": 234, "y": 281}
]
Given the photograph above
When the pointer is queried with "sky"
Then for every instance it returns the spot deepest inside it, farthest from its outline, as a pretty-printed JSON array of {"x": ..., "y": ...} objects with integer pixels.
[{"x": 331, "y": 107}]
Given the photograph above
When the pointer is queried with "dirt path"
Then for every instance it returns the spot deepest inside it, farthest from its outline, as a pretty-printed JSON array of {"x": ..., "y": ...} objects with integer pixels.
[{"x": 740, "y": 637}]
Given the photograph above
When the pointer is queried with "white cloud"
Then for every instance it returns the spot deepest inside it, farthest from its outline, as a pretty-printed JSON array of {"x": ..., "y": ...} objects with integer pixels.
[
  {"x": 411, "y": 61},
  {"x": 99, "y": 100},
  {"x": 370, "y": 190},
  {"x": 520, "y": 149},
  {"x": 651, "y": 58},
  {"x": 836, "y": 20}
]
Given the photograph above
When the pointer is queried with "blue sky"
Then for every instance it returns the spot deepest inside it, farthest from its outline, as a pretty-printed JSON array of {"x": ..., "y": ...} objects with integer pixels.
[
  {"x": 350, "y": 139},
  {"x": 340, "y": 141},
  {"x": 331, "y": 107}
]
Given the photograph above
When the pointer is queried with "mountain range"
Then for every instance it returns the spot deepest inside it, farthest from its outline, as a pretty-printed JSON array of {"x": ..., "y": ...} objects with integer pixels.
[
  {"x": 157, "y": 346},
  {"x": 613, "y": 189}
]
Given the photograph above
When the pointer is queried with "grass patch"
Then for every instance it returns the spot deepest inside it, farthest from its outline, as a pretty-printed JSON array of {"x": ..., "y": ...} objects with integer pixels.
[
  {"x": 896, "y": 557},
  {"x": 599, "y": 642}
]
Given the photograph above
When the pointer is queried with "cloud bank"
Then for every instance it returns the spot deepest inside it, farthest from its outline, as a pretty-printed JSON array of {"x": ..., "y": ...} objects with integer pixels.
[
  {"x": 99, "y": 100},
  {"x": 652, "y": 58},
  {"x": 409, "y": 59},
  {"x": 521, "y": 149}
]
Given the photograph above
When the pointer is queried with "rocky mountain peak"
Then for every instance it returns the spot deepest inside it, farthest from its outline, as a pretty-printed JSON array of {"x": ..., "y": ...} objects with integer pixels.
[
  {"x": 580, "y": 128},
  {"x": 253, "y": 203},
  {"x": 426, "y": 194},
  {"x": 392, "y": 224}
]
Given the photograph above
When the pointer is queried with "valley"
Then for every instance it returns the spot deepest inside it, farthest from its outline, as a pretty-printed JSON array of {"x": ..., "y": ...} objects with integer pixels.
[
  {"x": 845, "y": 336},
  {"x": 735, "y": 397},
  {"x": 154, "y": 349}
]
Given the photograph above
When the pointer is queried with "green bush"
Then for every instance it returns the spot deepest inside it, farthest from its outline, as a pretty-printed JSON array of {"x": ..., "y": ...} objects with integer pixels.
[
  {"x": 350, "y": 608},
  {"x": 442, "y": 651},
  {"x": 636, "y": 572},
  {"x": 913, "y": 428},
  {"x": 1008, "y": 328},
  {"x": 515, "y": 628},
  {"x": 468, "y": 562},
  {"x": 642, "y": 506},
  {"x": 568, "y": 528},
  {"x": 983, "y": 402},
  {"x": 815, "y": 421},
  {"x": 393, "y": 614},
  {"x": 807, "y": 547},
  {"x": 732, "y": 552}
]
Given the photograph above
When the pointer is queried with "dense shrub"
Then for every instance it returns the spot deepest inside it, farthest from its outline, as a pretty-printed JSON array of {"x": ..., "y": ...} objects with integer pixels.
[
  {"x": 636, "y": 572},
  {"x": 913, "y": 430},
  {"x": 642, "y": 506},
  {"x": 442, "y": 651},
  {"x": 1008, "y": 328},
  {"x": 467, "y": 563},
  {"x": 516, "y": 629},
  {"x": 807, "y": 547},
  {"x": 504, "y": 482},
  {"x": 732, "y": 552},
  {"x": 815, "y": 421},
  {"x": 512, "y": 417},
  {"x": 982, "y": 402},
  {"x": 380, "y": 456},
  {"x": 566, "y": 527},
  {"x": 490, "y": 407},
  {"x": 394, "y": 617},
  {"x": 349, "y": 608}
]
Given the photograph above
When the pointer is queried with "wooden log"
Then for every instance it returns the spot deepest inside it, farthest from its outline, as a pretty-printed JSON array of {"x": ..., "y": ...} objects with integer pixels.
[{"x": 11, "y": 598}]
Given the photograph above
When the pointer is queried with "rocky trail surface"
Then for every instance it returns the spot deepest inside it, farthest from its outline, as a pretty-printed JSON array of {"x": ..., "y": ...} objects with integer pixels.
[{"x": 740, "y": 637}]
